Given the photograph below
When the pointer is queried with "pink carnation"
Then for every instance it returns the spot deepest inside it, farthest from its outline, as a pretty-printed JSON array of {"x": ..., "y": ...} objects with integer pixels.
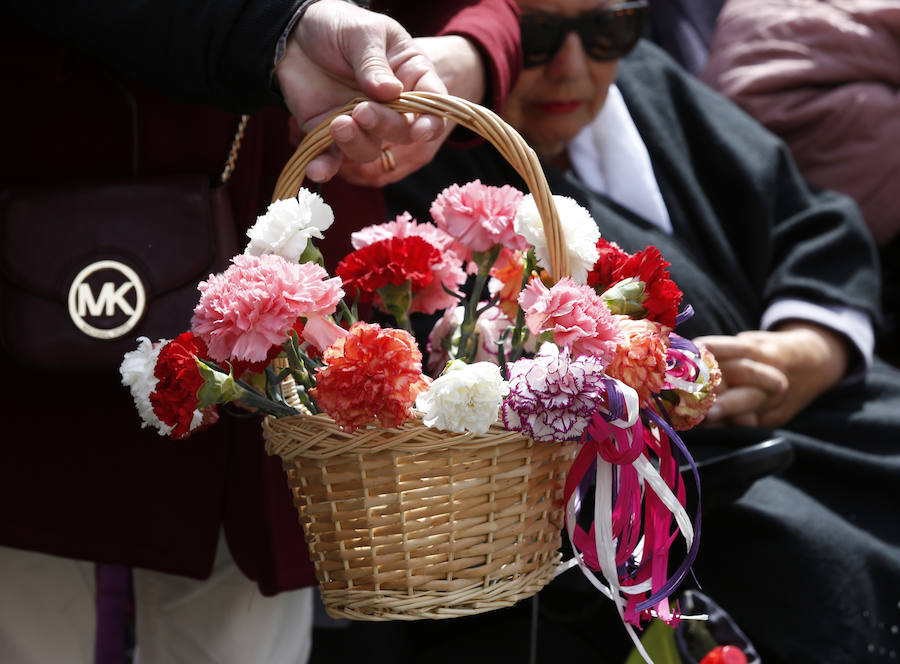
[
  {"x": 479, "y": 216},
  {"x": 447, "y": 270},
  {"x": 251, "y": 307},
  {"x": 575, "y": 315}
]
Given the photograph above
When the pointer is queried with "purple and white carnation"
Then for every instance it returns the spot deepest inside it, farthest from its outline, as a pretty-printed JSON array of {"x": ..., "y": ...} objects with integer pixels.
[{"x": 552, "y": 397}]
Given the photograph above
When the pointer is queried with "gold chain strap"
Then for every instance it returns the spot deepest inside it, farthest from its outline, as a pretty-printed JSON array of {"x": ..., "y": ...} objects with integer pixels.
[{"x": 235, "y": 148}]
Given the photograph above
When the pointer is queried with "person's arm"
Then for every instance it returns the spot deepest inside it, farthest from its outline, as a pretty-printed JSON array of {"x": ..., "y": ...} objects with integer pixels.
[
  {"x": 476, "y": 53},
  {"x": 490, "y": 26},
  {"x": 339, "y": 51},
  {"x": 770, "y": 376},
  {"x": 222, "y": 53},
  {"x": 216, "y": 52},
  {"x": 819, "y": 297}
]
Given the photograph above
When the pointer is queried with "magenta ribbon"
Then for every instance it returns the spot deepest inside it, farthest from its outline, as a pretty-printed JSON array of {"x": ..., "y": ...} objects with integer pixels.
[{"x": 607, "y": 442}]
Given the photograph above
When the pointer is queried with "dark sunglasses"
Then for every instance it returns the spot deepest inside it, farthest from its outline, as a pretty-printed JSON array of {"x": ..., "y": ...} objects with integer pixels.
[{"x": 606, "y": 34}]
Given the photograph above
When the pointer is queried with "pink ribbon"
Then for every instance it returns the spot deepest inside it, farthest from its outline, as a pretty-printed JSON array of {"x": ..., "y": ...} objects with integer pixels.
[{"x": 622, "y": 447}]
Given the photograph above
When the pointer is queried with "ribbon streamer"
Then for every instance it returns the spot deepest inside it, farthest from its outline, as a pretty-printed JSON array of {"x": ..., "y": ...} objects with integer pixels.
[{"x": 631, "y": 553}]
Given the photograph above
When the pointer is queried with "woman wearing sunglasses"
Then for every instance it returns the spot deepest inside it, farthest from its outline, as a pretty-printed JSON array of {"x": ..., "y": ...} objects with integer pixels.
[{"x": 782, "y": 279}]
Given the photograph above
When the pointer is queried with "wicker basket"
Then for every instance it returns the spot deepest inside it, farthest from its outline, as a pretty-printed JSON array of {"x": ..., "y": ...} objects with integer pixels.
[{"x": 413, "y": 522}]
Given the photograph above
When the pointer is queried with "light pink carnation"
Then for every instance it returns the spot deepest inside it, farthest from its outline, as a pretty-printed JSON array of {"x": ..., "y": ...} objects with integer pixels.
[
  {"x": 575, "y": 315},
  {"x": 691, "y": 391},
  {"x": 489, "y": 327},
  {"x": 448, "y": 271},
  {"x": 479, "y": 216},
  {"x": 246, "y": 310}
]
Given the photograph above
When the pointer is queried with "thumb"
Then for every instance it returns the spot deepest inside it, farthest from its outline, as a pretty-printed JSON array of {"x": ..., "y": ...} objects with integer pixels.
[{"x": 372, "y": 71}]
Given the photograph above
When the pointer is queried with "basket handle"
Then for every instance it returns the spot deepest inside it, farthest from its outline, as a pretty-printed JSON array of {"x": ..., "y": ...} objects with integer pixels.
[{"x": 483, "y": 122}]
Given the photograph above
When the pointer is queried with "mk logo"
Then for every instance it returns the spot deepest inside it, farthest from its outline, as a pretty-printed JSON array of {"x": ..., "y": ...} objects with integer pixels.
[
  {"x": 119, "y": 295},
  {"x": 105, "y": 305}
]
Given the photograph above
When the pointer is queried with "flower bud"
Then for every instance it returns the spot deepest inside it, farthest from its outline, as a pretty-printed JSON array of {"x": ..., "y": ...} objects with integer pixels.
[
  {"x": 626, "y": 297},
  {"x": 217, "y": 387}
]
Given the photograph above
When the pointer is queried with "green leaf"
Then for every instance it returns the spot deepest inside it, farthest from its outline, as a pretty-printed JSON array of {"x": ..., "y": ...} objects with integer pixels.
[
  {"x": 659, "y": 641},
  {"x": 312, "y": 254}
]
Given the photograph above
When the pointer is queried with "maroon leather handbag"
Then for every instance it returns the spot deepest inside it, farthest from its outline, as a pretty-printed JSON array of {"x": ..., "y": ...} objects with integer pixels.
[{"x": 87, "y": 268}]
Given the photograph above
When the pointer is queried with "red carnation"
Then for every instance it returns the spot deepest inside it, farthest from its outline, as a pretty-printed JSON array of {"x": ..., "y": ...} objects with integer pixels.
[
  {"x": 610, "y": 257},
  {"x": 175, "y": 398},
  {"x": 393, "y": 261},
  {"x": 648, "y": 266},
  {"x": 663, "y": 295}
]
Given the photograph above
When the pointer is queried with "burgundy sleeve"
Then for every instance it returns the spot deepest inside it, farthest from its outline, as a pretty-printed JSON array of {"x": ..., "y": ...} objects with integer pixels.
[{"x": 491, "y": 25}]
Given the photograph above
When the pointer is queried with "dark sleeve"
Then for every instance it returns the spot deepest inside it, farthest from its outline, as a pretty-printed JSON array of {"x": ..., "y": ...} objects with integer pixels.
[
  {"x": 491, "y": 25},
  {"x": 217, "y": 52}
]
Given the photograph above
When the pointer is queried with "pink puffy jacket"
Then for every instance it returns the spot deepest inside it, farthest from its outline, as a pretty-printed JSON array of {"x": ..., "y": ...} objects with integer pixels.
[{"x": 825, "y": 76}]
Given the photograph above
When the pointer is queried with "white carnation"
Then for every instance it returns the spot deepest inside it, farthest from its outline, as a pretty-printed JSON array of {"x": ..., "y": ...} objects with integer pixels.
[
  {"x": 288, "y": 224},
  {"x": 466, "y": 397},
  {"x": 137, "y": 375},
  {"x": 580, "y": 234}
]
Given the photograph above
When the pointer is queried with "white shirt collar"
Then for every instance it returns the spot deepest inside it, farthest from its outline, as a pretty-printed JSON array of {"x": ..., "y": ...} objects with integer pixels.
[{"x": 610, "y": 157}]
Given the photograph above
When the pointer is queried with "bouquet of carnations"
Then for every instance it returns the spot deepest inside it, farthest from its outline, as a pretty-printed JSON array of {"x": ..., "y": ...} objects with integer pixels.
[{"x": 437, "y": 485}]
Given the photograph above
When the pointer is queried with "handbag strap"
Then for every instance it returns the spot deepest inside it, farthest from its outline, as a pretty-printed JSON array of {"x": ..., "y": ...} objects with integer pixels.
[{"x": 231, "y": 161}]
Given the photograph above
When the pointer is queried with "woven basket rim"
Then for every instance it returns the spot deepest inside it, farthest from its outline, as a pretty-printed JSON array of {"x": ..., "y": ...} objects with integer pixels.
[{"x": 406, "y": 438}]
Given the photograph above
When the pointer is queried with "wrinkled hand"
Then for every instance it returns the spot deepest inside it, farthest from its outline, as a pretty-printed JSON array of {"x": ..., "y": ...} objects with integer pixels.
[
  {"x": 339, "y": 51},
  {"x": 459, "y": 65},
  {"x": 769, "y": 377}
]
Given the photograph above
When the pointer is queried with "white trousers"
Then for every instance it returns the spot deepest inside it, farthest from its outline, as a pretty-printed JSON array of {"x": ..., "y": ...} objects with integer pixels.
[
  {"x": 48, "y": 615},
  {"x": 47, "y": 610}
]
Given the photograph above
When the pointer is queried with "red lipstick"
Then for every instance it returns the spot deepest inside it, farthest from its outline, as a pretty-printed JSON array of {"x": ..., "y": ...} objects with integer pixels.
[{"x": 558, "y": 107}]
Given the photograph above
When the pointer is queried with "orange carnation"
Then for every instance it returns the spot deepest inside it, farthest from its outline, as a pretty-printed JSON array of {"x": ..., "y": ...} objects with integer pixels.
[
  {"x": 641, "y": 360},
  {"x": 371, "y": 374},
  {"x": 508, "y": 274}
]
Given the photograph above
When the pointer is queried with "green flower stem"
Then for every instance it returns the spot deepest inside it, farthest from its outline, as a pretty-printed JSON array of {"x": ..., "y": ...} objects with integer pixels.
[
  {"x": 248, "y": 394},
  {"x": 298, "y": 368},
  {"x": 468, "y": 342},
  {"x": 396, "y": 300},
  {"x": 306, "y": 398},
  {"x": 519, "y": 335},
  {"x": 501, "y": 355},
  {"x": 256, "y": 400}
]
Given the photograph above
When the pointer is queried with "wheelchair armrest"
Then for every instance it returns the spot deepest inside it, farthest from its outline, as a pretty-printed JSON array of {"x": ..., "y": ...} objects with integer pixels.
[{"x": 725, "y": 477}]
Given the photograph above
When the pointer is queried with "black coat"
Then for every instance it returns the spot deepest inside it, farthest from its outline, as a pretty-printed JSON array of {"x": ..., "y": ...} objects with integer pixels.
[{"x": 808, "y": 563}]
